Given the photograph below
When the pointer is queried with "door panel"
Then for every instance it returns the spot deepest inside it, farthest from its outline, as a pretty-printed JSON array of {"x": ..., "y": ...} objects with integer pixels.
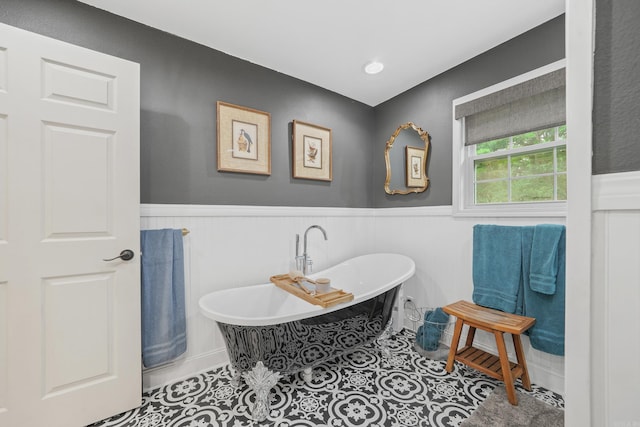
[
  {"x": 72, "y": 199},
  {"x": 74, "y": 85},
  {"x": 4, "y": 244},
  {"x": 3, "y": 69},
  {"x": 4, "y": 172},
  {"x": 78, "y": 195},
  {"x": 3, "y": 349},
  {"x": 77, "y": 354}
]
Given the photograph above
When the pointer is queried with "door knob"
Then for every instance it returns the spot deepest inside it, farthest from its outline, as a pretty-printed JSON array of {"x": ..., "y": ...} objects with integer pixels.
[{"x": 125, "y": 255}]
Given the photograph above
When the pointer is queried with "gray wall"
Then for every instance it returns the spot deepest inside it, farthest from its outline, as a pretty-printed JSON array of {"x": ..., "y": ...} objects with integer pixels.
[
  {"x": 429, "y": 105},
  {"x": 181, "y": 82},
  {"x": 616, "y": 115}
]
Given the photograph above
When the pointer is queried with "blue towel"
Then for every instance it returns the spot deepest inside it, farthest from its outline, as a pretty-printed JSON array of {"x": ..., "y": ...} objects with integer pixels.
[
  {"x": 429, "y": 334},
  {"x": 497, "y": 267},
  {"x": 544, "y": 258},
  {"x": 548, "y": 309},
  {"x": 164, "y": 335}
]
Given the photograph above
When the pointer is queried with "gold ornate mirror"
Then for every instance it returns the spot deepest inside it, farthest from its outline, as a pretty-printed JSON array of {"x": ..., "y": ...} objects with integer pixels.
[{"x": 414, "y": 143}]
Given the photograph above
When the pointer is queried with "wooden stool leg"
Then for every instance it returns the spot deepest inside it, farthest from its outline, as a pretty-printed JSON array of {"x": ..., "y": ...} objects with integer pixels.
[
  {"x": 471, "y": 334},
  {"x": 517, "y": 344},
  {"x": 506, "y": 368},
  {"x": 454, "y": 344}
]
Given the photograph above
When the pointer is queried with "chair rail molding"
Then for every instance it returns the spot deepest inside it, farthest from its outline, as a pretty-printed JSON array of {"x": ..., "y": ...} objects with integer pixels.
[{"x": 616, "y": 191}]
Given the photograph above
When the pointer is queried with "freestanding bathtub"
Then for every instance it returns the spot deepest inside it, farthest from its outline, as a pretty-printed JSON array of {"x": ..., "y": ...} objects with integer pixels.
[{"x": 269, "y": 332}]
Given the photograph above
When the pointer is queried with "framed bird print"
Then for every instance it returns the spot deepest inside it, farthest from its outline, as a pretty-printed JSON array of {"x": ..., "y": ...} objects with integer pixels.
[
  {"x": 244, "y": 139},
  {"x": 311, "y": 151},
  {"x": 414, "y": 158}
]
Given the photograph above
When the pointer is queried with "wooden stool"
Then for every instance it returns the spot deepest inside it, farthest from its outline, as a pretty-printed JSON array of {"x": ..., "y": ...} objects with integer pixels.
[{"x": 496, "y": 322}]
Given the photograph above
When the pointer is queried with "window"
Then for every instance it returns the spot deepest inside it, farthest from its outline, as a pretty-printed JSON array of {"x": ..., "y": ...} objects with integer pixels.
[
  {"x": 509, "y": 155},
  {"x": 526, "y": 168}
]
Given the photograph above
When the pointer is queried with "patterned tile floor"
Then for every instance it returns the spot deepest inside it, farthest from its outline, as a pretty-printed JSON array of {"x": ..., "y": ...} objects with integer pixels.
[{"x": 359, "y": 389}]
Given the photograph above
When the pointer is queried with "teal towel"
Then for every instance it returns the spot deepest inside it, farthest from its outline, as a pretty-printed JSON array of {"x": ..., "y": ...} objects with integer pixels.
[
  {"x": 497, "y": 267},
  {"x": 544, "y": 258},
  {"x": 164, "y": 335},
  {"x": 502, "y": 249},
  {"x": 548, "y": 309},
  {"x": 429, "y": 334}
]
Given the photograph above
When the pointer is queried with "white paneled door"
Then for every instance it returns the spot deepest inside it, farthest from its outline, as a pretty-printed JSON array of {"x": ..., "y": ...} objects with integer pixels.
[{"x": 69, "y": 198}]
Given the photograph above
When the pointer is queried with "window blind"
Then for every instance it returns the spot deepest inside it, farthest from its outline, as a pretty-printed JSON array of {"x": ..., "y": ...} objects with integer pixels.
[{"x": 535, "y": 104}]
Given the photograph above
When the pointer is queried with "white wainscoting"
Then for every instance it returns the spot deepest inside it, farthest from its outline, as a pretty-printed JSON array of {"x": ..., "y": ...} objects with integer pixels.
[
  {"x": 230, "y": 246},
  {"x": 615, "y": 317},
  {"x": 241, "y": 245},
  {"x": 441, "y": 246}
]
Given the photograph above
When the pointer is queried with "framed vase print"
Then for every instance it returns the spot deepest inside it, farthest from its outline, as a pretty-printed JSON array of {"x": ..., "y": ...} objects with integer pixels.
[{"x": 244, "y": 139}]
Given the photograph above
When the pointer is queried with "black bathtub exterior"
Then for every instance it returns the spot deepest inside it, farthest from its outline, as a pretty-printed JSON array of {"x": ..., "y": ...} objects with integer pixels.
[{"x": 293, "y": 346}]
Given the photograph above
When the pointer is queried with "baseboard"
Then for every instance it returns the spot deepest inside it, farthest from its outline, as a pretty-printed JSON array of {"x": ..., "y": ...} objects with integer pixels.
[
  {"x": 188, "y": 367},
  {"x": 182, "y": 368}
]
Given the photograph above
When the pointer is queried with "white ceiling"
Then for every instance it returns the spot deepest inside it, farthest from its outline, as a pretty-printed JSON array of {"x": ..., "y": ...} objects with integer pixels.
[{"x": 328, "y": 42}]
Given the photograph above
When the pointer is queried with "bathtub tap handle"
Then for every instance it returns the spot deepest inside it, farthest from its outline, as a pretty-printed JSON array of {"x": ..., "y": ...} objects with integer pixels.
[{"x": 299, "y": 259}]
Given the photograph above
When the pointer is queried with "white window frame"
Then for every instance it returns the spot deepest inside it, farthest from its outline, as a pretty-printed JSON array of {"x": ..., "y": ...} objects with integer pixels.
[{"x": 463, "y": 171}]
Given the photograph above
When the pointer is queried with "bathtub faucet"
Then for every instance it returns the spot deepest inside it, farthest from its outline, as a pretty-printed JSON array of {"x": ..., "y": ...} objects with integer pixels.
[{"x": 304, "y": 262}]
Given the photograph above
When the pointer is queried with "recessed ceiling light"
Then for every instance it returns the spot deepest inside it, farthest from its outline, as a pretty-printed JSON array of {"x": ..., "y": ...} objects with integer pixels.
[{"x": 373, "y": 67}]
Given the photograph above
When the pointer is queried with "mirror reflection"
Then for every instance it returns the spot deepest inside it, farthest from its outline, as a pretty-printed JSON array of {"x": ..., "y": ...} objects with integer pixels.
[{"x": 406, "y": 154}]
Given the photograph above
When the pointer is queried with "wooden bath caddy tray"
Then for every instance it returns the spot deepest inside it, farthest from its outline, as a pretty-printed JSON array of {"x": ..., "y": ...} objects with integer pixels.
[{"x": 325, "y": 300}]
